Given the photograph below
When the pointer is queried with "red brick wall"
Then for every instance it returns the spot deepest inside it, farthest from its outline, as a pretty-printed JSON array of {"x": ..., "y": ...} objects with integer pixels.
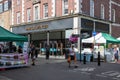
[
  {"x": 58, "y": 7},
  {"x": 98, "y": 8},
  {"x": 28, "y": 4},
  {"x": 49, "y": 6},
  {"x": 86, "y": 7},
  {"x": 115, "y": 31},
  {"x": 17, "y": 8},
  {"x": 117, "y": 13}
]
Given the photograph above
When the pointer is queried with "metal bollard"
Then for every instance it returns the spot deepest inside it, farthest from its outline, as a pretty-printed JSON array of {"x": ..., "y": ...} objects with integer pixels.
[
  {"x": 98, "y": 58},
  {"x": 84, "y": 59}
]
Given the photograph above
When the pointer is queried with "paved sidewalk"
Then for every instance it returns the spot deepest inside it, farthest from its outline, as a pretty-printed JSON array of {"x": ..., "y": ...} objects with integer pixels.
[
  {"x": 4, "y": 78},
  {"x": 56, "y": 68}
]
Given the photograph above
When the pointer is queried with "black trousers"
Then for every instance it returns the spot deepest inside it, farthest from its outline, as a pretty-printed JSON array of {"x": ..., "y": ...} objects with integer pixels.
[{"x": 47, "y": 54}]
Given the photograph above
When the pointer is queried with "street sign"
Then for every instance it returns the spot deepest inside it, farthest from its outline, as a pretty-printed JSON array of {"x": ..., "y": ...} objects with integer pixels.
[{"x": 93, "y": 33}]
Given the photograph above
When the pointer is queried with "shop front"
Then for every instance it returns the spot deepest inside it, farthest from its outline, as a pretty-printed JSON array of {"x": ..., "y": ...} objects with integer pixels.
[
  {"x": 89, "y": 25},
  {"x": 50, "y": 31},
  {"x": 53, "y": 31}
]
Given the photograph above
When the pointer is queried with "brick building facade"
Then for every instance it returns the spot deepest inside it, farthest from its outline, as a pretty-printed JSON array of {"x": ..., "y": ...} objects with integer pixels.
[
  {"x": 5, "y": 12},
  {"x": 54, "y": 18}
]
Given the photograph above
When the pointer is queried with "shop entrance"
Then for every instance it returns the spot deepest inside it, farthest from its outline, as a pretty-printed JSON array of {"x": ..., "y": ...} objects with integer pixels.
[{"x": 56, "y": 41}]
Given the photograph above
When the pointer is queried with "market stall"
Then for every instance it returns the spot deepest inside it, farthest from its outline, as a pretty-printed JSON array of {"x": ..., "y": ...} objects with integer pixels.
[
  {"x": 104, "y": 39},
  {"x": 101, "y": 38},
  {"x": 9, "y": 60}
]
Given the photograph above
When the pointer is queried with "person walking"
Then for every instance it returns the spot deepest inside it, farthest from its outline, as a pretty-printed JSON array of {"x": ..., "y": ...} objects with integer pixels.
[
  {"x": 72, "y": 56},
  {"x": 36, "y": 51},
  {"x": 33, "y": 54},
  {"x": 47, "y": 51},
  {"x": 116, "y": 55}
]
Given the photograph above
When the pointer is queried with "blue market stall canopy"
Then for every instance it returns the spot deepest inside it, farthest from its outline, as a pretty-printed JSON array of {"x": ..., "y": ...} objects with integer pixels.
[
  {"x": 101, "y": 38},
  {"x": 6, "y": 35}
]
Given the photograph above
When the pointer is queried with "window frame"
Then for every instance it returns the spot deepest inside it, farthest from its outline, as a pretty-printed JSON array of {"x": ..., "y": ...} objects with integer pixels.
[
  {"x": 28, "y": 14},
  {"x": 92, "y": 8},
  {"x": 6, "y": 5},
  {"x": 18, "y": 2},
  {"x": 102, "y": 12},
  {"x": 45, "y": 10},
  {"x": 65, "y": 7},
  {"x": 113, "y": 15},
  {"x": 1, "y": 9},
  {"x": 18, "y": 17}
]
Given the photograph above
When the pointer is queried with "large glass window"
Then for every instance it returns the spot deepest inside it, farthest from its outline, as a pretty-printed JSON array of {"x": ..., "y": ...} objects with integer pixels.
[
  {"x": 5, "y": 5},
  {"x": 113, "y": 15},
  {"x": 28, "y": 15},
  {"x": 1, "y": 7},
  {"x": 92, "y": 8},
  {"x": 45, "y": 10},
  {"x": 65, "y": 7},
  {"x": 36, "y": 12},
  {"x": 18, "y": 17},
  {"x": 102, "y": 11}
]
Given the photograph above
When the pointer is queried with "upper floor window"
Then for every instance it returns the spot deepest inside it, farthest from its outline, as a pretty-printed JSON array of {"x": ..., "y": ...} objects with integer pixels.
[
  {"x": 1, "y": 7},
  {"x": 92, "y": 8},
  {"x": 28, "y": 15},
  {"x": 113, "y": 15},
  {"x": 36, "y": 12},
  {"x": 18, "y": 17},
  {"x": 5, "y": 5},
  {"x": 18, "y": 2},
  {"x": 65, "y": 7},
  {"x": 102, "y": 11},
  {"x": 45, "y": 10}
]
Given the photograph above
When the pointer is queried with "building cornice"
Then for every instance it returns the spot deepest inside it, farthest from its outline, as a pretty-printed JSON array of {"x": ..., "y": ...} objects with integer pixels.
[
  {"x": 63, "y": 17},
  {"x": 115, "y": 24}
]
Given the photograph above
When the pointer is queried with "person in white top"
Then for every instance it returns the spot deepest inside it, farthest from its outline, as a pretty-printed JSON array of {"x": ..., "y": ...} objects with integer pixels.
[
  {"x": 72, "y": 56},
  {"x": 116, "y": 54}
]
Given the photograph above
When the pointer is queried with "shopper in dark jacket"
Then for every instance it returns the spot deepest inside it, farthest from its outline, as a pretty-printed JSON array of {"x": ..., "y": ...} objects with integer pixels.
[{"x": 47, "y": 51}]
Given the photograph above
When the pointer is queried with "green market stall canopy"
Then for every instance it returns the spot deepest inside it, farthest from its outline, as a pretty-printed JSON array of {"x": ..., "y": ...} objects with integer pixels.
[
  {"x": 101, "y": 38},
  {"x": 6, "y": 35}
]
